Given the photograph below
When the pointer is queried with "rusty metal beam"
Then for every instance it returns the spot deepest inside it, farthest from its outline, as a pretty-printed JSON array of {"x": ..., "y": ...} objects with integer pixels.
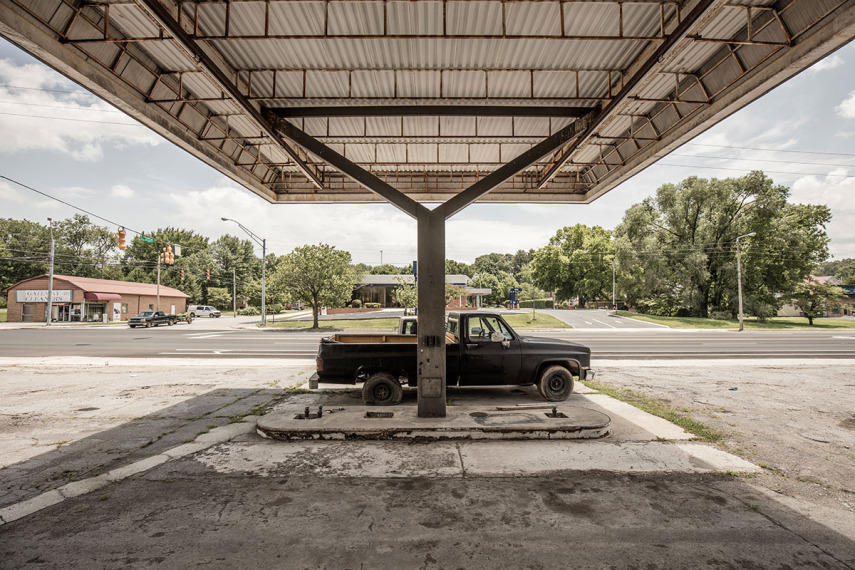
[
  {"x": 701, "y": 10},
  {"x": 204, "y": 61}
]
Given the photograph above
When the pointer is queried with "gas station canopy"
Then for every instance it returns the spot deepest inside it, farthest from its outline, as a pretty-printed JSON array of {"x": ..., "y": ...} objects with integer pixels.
[{"x": 349, "y": 101}]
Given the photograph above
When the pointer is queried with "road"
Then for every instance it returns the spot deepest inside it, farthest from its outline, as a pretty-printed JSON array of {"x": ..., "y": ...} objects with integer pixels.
[{"x": 216, "y": 340}]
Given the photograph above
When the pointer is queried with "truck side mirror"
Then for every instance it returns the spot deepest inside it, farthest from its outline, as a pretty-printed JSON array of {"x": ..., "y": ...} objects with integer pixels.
[{"x": 496, "y": 336}]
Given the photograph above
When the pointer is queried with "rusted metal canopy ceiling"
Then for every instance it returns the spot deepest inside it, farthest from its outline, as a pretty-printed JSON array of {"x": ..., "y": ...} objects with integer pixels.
[{"x": 500, "y": 101}]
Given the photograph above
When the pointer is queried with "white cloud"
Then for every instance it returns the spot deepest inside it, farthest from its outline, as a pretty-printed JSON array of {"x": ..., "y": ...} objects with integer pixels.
[
  {"x": 827, "y": 63},
  {"x": 121, "y": 191},
  {"x": 79, "y": 124},
  {"x": 835, "y": 190},
  {"x": 9, "y": 194},
  {"x": 846, "y": 109}
]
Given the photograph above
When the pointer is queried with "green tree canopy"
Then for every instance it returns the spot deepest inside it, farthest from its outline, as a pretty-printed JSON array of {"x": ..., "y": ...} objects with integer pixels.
[
  {"x": 576, "y": 263},
  {"x": 320, "y": 275},
  {"x": 677, "y": 250},
  {"x": 813, "y": 297}
]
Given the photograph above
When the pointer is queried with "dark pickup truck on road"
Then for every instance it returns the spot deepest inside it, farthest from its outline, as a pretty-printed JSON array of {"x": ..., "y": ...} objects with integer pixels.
[
  {"x": 481, "y": 350},
  {"x": 151, "y": 319}
]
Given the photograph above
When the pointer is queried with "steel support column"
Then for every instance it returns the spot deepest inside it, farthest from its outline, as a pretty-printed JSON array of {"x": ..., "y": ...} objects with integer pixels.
[{"x": 431, "y": 290}]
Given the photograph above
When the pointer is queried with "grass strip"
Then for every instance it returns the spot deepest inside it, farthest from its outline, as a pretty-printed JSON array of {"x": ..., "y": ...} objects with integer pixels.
[
  {"x": 657, "y": 408},
  {"x": 750, "y": 323}
]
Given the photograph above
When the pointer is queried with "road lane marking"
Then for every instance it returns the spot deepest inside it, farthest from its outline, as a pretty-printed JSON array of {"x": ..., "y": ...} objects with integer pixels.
[
  {"x": 602, "y": 323},
  {"x": 206, "y": 336}
]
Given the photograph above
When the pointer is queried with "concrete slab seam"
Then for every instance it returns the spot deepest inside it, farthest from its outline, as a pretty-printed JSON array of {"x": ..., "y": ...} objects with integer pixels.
[{"x": 216, "y": 436}]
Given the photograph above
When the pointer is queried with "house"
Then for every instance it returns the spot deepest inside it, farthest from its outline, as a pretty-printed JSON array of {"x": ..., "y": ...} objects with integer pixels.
[
  {"x": 381, "y": 289},
  {"x": 88, "y": 299},
  {"x": 845, "y": 306}
]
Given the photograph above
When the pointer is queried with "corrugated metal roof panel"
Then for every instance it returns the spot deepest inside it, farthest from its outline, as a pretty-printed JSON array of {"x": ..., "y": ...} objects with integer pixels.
[
  {"x": 464, "y": 84},
  {"x": 296, "y": 18},
  {"x": 473, "y": 18},
  {"x": 591, "y": 19},
  {"x": 392, "y": 153},
  {"x": 457, "y": 126},
  {"x": 454, "y": 153},
  {"x": 533, "y": 18},
  {"x": 383, "y": 127},
  {"x": 509, "y": 83},
  {"x": 414, "y": 18},
  {"x": 373, "y": 83},
  {"x": 346, "y": 126},
  {"x": 421, "y": 126},
  {"x": 327, "y": 84},
  {"x": 495, "y": 126},
  {"x": 246, "y": 18},
  {"x": 355, "y": 18}
]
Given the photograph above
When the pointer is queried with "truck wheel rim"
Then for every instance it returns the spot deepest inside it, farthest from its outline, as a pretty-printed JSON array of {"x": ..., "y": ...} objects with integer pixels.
[
  {"x": 382, "y": 392},
  {"x": 556, "y": 383}
]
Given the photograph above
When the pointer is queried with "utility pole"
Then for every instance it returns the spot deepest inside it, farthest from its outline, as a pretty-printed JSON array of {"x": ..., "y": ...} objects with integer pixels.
[
  {"x": 234, "y": 293},
  {"x": 49, "y": 306},
  {"x": 159, "y": 257},
  {"x": 614, "y": 304},
  {"x": 739, "y": 274},
  {"x": 381, "y": 257},
  {"x": 263, "y": 243}
]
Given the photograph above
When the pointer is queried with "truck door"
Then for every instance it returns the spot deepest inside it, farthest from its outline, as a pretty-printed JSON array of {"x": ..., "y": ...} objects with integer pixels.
[{"x": 485, "y": 362}]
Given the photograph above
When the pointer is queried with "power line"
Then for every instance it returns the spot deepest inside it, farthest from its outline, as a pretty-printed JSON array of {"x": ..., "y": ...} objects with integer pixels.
[
  {"x": 76, "y": 92},
  {"x": 752, "y": 169},
  {"x": 761, "y": 160},
  {"x": 74, "y": 120},
  {"x": 22, "y": 185},
  {"x": 772, "y": 149},
  {"x": 87, "y": 109}
]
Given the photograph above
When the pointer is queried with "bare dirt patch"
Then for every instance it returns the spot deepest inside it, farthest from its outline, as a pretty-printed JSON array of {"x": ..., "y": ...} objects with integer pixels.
[{"x": 794, "y": 420}]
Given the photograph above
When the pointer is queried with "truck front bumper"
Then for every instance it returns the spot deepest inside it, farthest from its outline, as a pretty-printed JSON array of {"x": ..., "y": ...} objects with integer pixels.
[{"x": 588, "y": 374}]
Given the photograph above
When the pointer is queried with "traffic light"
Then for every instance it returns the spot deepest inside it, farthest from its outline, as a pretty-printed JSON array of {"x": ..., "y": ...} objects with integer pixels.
[
  {"x": 122, "y": 238},
  {"x": 170, "y": 256},
  {"x": 208, "y": 274},
  {"x": 182, "y": 275},
  {"x": 163, "y": 257}
]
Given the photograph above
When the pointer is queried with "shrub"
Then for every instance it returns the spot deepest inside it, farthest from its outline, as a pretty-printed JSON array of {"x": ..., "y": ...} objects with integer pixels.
[
  {"x": 372, "y": 305},
  {"x": 720, "y": 316},
  {"x": 538, "y": 304},
  {"x": 356, "y": 303},
  {"x": 249, "y": 312}
]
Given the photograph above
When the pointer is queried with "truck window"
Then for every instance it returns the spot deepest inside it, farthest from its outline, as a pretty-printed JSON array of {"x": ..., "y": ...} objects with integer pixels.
[
  {"x": 451, "y": 327},
  {"x": 480, "y": 328}
]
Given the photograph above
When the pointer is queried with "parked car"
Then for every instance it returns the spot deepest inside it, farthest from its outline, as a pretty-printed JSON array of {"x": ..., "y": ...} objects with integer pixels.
[
  {"x": 481, "y": 350},
  {"x": 151, "y": 319},
  {"x": 203, "y": 311}
]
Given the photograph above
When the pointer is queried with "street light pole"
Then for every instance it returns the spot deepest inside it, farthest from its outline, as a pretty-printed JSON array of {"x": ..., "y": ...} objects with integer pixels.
[
  {"x": 263, "y": 243},
  {"x": 614, "y": 304},
  {"x": 739, "y": 274},
  {"x": 49, "y": 307}
]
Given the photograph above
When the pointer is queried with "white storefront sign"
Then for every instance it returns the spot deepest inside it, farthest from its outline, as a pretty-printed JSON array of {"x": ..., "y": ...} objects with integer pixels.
[{"x": 41, "y": 295}]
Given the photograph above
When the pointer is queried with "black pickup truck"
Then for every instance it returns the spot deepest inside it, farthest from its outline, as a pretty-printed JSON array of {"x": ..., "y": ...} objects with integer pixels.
[
  {"x": 151, "y": 319},
  {"x": 481, "y": 350}
]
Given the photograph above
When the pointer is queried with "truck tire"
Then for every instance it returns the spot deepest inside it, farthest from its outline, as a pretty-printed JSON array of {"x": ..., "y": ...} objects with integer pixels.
[
  {"x": 555, "y": 384},
  {"x": 147, "y": 323},
  {"x": 191, "y": 314},
  {"x": 382, "y": 389},
  {"x": 171, "y": 322},
  {"x": 189, "y": 320}
]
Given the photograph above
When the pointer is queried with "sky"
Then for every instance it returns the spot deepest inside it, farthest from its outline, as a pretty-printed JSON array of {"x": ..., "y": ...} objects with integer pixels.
[{"x": 59, "y": 139}]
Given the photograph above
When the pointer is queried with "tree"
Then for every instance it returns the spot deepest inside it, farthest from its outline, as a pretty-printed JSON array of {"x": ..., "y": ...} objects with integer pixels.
[
  {"x": 407, "y": 295},
  {"x": 219, "y": 297},
  {"x": 812, "y": 297},
  {"x": 676, "y": 250},
  {"x": 843, "y": 269},
  {"x": 576, "y": 263},
  {"x": 492, "y": 263},
  {"x": 454, "y": 292},
  {"x": 320, "y": 275},
  {"x": 457, "y": 268}
]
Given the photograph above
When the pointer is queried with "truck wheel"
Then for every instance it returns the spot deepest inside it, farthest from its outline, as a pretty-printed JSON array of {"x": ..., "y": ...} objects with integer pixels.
[
  {"x": 191, "y": 314},
  {"x": 555, "y": 384},
  {"x": 171, "y": 322},
  {"x": 148, "y": 324},
  {"x": 382, "y": 389},
  {"x": 189, "y": 320}
]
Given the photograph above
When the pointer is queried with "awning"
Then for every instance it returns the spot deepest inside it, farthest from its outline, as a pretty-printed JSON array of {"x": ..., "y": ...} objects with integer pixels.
[{"x": 102, "y": 297}]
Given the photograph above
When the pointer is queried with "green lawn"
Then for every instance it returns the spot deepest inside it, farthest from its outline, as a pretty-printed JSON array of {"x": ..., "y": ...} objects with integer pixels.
[
  {"x": 388, "y": 325},
  {"x": 751, "y": 323},
  {"x": 3, "y": 315},
  {"x": 521, "y": 321}
]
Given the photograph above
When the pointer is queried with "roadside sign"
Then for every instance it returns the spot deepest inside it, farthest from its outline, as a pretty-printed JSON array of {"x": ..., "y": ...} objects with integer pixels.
[{"x": 148, "y": 239}]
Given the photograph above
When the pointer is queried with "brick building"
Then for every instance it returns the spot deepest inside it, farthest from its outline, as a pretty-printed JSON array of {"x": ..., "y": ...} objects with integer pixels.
[{"x": 87, "y": 299}]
